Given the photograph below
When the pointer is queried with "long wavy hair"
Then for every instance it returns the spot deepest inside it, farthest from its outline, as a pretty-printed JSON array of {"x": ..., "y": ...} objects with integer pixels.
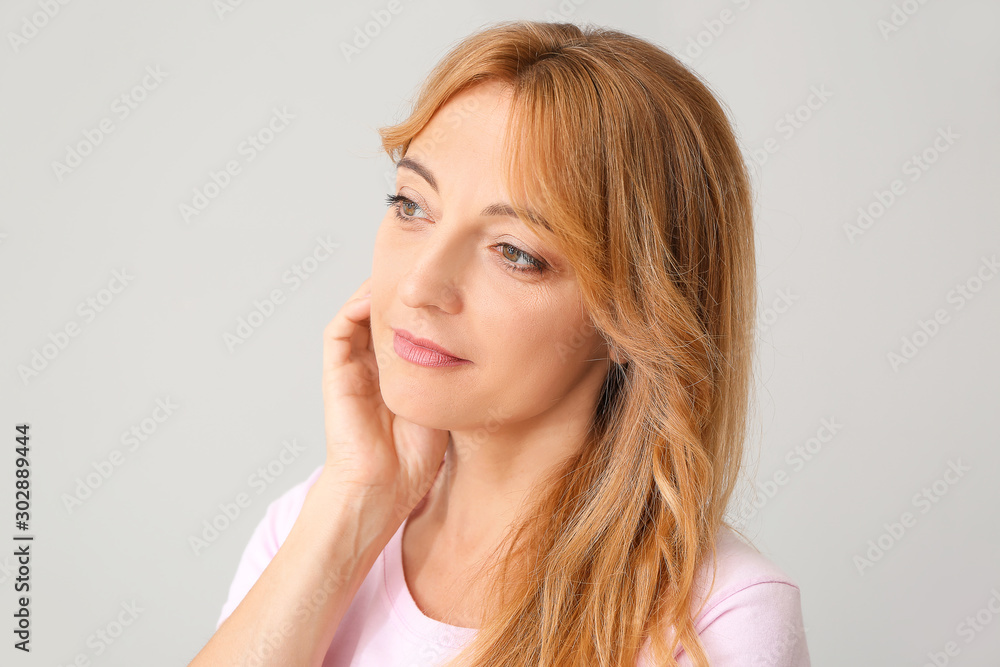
[{"x": 622, "y": 158}]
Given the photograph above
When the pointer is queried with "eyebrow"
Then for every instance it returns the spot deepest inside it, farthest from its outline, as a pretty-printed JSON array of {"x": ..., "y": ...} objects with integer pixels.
[{"x": 493, "y": 209}]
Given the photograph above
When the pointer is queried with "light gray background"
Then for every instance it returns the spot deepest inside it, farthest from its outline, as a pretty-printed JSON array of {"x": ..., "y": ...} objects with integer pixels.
[{"x": 832, "y": 310}]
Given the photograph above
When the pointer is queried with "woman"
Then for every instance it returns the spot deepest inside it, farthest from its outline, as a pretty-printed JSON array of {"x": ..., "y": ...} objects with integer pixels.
[{"x": 535, "y": 406}]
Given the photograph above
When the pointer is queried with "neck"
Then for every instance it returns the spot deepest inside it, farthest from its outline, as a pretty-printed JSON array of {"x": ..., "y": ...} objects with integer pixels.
[{"x": 488, "y": 478}]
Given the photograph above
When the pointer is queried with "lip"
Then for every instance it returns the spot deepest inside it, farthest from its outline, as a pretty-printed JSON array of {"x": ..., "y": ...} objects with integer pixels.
[{"x": 423, "y": 351}]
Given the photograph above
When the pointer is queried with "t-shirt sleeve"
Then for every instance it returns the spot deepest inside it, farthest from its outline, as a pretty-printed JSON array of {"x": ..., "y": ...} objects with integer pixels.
[
  {"x": 267, "y": 537},
  {"x": 759, "y": 625}
]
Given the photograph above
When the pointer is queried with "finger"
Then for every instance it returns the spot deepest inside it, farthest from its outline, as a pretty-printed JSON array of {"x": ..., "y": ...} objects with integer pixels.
[
  {"x": 363, "y": 335},
  {"x": 339, "y": 340},
  {"x": 339, "y": 336},
  {"x": 359, "y": 339}
]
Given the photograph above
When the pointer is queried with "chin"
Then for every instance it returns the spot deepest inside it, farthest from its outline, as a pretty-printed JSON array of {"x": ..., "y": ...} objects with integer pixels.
[{"x": 410, "y": 400}]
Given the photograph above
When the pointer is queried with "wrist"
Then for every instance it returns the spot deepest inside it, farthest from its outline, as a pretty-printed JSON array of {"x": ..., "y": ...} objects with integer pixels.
[{"x": 348, "y": 526}]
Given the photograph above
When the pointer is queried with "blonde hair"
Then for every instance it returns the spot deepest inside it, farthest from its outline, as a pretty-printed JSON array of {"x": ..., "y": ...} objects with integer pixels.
[{"x": 624, "y": 159}]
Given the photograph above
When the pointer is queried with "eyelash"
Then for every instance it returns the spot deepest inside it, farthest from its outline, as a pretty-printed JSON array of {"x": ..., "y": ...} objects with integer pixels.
[{"x": 537, "y": 266}]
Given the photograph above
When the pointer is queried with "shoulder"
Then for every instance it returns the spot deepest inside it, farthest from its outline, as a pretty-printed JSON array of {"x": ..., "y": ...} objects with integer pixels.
[
  {"x": 752, "y": 611},
  {"x": 738, "y": 566}
]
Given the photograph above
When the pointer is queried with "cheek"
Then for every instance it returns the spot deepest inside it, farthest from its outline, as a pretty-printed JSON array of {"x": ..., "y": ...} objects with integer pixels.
[
  {"x": 386, "y": 257},
  {"x": 384, "y": 279},
  {"x": 541, "y": 345},
  {"x": 392, "y": 253},
  {"x": 382, "y": 239}
]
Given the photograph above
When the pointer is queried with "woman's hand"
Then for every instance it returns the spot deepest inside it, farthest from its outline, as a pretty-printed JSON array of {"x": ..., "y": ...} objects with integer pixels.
[{"x": 372, "y": 455}]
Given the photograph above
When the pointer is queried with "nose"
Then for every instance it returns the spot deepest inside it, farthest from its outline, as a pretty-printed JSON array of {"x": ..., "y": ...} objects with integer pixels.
[{"x": 436, "y": 275}]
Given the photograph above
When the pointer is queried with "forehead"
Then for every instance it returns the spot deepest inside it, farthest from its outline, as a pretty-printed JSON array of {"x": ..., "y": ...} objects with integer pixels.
[{"x": 473, "y": 119}]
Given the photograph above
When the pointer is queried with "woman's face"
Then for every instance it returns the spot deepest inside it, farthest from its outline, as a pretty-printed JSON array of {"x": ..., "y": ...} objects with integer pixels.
[{"x": 466, "y": 279}]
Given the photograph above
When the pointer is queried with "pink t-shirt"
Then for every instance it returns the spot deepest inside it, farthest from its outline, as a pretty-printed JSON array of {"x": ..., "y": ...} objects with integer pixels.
[{"x": 753, "y": 616}]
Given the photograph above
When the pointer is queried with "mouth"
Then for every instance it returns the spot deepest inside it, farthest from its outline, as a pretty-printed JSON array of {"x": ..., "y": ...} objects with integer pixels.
[{"x": 423, "y": 351}]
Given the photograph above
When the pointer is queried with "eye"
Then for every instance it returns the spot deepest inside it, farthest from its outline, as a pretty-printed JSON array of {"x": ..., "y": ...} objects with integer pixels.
[
  {"x": 399, "y": 203},
  {"x": 534, "y": 265}
]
